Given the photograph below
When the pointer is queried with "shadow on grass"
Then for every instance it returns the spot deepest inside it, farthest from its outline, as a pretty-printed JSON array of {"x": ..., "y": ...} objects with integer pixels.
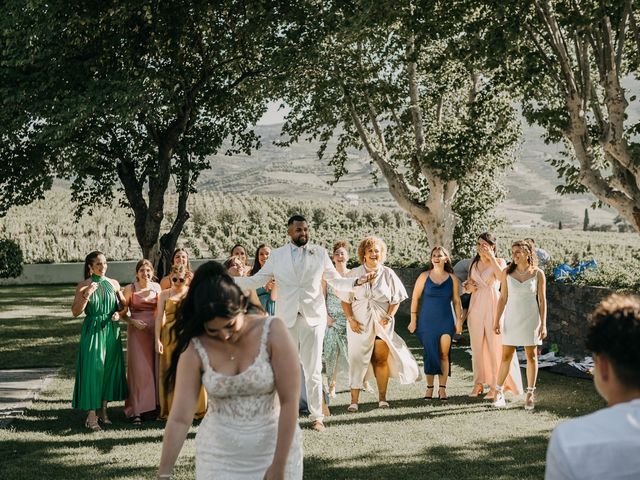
[{"x": 491, "y": 460}]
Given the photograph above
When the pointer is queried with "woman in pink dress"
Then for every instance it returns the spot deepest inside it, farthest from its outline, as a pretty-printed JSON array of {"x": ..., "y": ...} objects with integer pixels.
[
  {"x": 483, "y": 283},
  {"x": 141, "y": 298}
]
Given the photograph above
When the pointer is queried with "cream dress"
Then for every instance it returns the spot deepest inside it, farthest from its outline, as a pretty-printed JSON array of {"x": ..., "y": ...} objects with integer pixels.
[
  {"x": 369, "y": 303},
  {"x": 521, "y": 314},
  {"x": 237, "y": 438}
]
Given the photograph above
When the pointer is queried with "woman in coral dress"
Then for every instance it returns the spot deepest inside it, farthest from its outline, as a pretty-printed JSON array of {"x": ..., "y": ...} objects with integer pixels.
[
  {"x": 142, "y": 365},
  {"x": 486, "y": 345}
]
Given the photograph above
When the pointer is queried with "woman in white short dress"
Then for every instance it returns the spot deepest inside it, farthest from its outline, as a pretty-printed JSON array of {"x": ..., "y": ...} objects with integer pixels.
[
  {"x": 243, "y": 360},
  {"x": 524, "y": 303}
]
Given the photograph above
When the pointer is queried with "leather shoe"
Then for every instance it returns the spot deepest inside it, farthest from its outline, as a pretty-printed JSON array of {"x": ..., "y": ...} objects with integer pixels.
[{"x": 317, "y": 425}]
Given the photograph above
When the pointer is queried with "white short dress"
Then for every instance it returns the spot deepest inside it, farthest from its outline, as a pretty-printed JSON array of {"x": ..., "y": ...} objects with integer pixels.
[{"x": 521, "y": 314}]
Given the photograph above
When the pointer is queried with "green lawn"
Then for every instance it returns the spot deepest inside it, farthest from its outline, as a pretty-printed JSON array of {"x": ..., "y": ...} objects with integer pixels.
[{"x": 463, "y": 439}]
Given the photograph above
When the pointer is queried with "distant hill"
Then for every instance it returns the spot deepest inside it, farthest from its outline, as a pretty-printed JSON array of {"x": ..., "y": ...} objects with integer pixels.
[{"x": 296, "y": 172}]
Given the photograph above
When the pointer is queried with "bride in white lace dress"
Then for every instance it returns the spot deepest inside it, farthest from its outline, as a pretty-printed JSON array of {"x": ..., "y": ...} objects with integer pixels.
[{"x": 243, "y": 360}]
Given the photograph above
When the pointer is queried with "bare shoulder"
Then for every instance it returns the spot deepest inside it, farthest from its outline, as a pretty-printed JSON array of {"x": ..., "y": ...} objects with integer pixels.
[
  {"x": 277, "y": 330},
  {"x": 540, "y": 274},
  {"x": 190, "y": 355},
  {"x": 114, "y": 283}
]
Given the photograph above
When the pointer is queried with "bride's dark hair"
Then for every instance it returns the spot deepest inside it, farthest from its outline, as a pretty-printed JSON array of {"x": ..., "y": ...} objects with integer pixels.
[{"x": 212, "y": 293}]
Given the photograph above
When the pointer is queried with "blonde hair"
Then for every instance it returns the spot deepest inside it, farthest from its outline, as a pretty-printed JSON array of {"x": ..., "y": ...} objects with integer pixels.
[{"x": 370, "y": 242}]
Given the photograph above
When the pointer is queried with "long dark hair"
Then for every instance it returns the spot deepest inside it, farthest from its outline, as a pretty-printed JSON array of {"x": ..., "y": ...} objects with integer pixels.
[
  {"x": 88, "y": 261},
  {"x": 491, "y": 240},
  {"x": 532, "y": 258},
  {"x": 212, "y": 293},
  {"x": 256, "y": 262},
  {"x": 447, "y": 265}
]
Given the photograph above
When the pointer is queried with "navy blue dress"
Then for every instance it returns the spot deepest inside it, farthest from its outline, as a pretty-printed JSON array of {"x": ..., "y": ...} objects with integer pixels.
[{"x": 434, "y": 320}]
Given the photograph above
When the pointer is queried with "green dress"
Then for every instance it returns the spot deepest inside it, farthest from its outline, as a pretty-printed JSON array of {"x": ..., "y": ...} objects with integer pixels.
[{"x": 100, "y": 372}]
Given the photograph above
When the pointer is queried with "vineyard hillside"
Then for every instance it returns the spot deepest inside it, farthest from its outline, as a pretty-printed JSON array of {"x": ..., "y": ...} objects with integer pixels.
[{"x": 47, "y": 232}]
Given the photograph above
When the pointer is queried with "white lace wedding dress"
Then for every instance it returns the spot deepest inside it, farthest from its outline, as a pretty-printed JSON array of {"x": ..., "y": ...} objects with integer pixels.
[{"x": 237, "y": 438}]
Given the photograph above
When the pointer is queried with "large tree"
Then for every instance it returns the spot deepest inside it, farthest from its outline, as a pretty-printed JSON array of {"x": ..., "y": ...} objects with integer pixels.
[
  {"x": 570, "y": 60},
  {"x": 128, "y": 95},
  {"x": 394, "y": 78}
]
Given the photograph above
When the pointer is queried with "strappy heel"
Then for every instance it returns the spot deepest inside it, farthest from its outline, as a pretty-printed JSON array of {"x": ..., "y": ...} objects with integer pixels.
[
  {"x": 529, "y": 399},
  {"x": 428, "y": 397},
  {"x": 445, "y": 398},
  {"x": 93, "y": 426},
  {"x": 500, "y": 401}
]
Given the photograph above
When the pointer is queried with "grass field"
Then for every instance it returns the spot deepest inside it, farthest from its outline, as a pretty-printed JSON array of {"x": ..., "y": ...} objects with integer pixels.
[{"x": 462, "y": 439}]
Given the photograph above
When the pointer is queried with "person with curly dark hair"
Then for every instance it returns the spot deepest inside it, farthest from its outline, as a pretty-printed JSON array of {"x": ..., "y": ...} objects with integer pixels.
[{"x": 606, "y": 443}]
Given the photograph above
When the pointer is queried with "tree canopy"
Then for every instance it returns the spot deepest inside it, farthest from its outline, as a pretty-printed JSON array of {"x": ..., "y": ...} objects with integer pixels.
[
  {"x": 575, "y": 65},
  {"x": 130, "y": 95},
  {"x": 395, "y": 79}
]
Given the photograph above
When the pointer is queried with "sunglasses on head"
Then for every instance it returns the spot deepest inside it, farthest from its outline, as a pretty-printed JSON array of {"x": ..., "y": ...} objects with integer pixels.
[{"x": 178, "y": 280}]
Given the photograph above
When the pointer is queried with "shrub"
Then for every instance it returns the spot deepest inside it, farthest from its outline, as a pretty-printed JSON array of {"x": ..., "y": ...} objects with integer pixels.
[{"x": 10, "y": 259}]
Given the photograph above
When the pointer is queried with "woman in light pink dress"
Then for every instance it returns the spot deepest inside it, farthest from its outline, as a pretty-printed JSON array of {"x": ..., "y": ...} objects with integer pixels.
[
  {"x": 142, "y": 299},
  {"x": 483, "y": 282}
]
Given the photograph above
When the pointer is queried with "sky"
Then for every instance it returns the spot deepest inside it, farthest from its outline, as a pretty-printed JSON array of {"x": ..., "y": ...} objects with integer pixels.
[{"x": 273, "y": 116}]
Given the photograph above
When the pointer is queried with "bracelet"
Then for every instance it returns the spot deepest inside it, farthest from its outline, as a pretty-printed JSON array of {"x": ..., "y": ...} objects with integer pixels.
[
  {"x": 414, "y": 312},
  {"x": 165, "y": 475}
]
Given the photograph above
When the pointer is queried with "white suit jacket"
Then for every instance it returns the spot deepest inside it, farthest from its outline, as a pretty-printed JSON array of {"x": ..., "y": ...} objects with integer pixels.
[{"x": 299, "y": 291}]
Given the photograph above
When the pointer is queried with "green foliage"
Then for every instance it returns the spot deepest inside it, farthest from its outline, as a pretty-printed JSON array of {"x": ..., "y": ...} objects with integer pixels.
[
  {"x": 575, "y": 67},
  {"x": 10, "y": 258},
  {"x": 129, "y": 96},
  {"x": 397, "y": 81}
]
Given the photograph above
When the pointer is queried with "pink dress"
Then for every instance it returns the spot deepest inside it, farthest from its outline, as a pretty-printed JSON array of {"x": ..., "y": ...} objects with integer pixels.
[
  {"x": 142, "y": 363},
  {"x": 486, "y": 346}
]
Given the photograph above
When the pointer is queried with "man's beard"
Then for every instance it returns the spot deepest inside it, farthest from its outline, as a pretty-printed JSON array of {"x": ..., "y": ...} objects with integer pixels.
[{"x": 300, "y": 242}]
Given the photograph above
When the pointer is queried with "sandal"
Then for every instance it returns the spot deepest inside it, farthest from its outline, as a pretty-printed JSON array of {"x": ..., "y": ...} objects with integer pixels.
[
  {"x": 93, "y": 426},
  {"x": 137, "y": 420},
  {"x": 529, "y": 401},
  {"x": 353, "y": 408},
  {"x": 477, "y": 390},
  {"x": 443, "y": 398},
  {"x": 426, "y": 396},
  {"x": 383, "y": 404}
]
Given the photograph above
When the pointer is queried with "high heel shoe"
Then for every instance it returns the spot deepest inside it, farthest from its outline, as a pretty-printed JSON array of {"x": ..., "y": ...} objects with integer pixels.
[
  {"x": 443, "y": 398},
  {"x": 104, "y": 418},
  {"x": 93, "y": 426},
  {"x": 500, "y": 401},
  {"x": 477, "y": 390},
  {"x": 426, "y": 394},
  {"x": 529, "y": 399}
]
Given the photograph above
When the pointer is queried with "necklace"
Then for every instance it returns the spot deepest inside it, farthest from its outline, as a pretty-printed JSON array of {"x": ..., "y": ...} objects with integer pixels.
[{"x": 520, "y": 272}]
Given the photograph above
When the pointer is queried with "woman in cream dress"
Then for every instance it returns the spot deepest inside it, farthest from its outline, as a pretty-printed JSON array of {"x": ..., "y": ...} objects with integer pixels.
[
  {"x": 523, "y": 300},
  {"x": 375, "y": 350}
]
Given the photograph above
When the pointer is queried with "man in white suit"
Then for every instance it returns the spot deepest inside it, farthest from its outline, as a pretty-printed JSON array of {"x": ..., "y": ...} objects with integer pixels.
[{"x": 298, "y": 269}]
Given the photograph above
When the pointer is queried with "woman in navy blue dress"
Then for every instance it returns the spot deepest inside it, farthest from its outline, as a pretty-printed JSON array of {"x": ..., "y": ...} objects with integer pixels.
[{"x": 432, "y": 318}]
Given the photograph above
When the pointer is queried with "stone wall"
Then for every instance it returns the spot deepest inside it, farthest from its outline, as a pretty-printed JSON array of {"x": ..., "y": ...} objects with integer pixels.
[
  {"x": 569, "y": 307},
  {"x": 66, "y": 273}
]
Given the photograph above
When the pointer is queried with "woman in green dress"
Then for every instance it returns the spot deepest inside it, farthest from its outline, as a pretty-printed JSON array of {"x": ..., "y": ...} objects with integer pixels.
[{"x": 100, "y": 372}]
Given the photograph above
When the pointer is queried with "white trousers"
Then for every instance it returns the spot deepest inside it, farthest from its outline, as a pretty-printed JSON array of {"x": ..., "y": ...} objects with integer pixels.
[{"x": 309, "y": 340}]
